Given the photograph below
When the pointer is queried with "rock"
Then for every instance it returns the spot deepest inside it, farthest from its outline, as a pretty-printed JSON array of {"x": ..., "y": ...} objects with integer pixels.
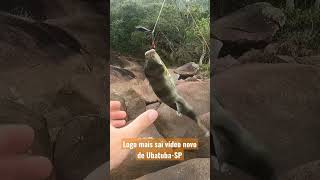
[
  {"x": 135, "y": 105},
  {"x": 132, "y": 168},
  {"x": 187, "y": 70},
  {"x": 193, "y": 78},
  {"x": 286, "y": 59},
  {"x": 260, "y": 56},
  {"x": 222, "y": 64},
  {"x": 152, "y": 132},
  {"x": 308, "y": 171},
  {"x": 121, "y": 61},
  {"x": 230, "y": 174},
  {"x": 153, "y": 106},
  {"x": 291, "y": 48},
  {"x": 37, "y": 9},
  {"x": 174, "y": 75},
  {"x": 145, "y": 90},
  {"x": 91, "y": 87},
  {"x": 250, "y": 27},
  {"x": 120, "y": 74},
  {"x": 75, "y": 103},
  {"x": 205, "y": 119},
  {"x": 38, "y": 60},
  {"x": 274, "y": 98},
  {"x": 142, "y": 87},
  {"x": 60, "y": 108},
  {"x": 88, "y": 29},
  {"x": 44, "y": 9},
  {"x": 191, "y": 169},
  {"x": 169, "y": 124},
  {"x": 215, "y": 49},
  {"x": 252, "y": 56},
  {"x": 99, "y": 172},
  {"x": 51, "y": 68},
  {"x": 128, "y": 64},
  {"x": 311, "y": 60},
  {"x": 272, "y": 48},
  {"x": 79, "y": 7},
  {"x": 56, "y": 119},
  {"x": 79, "y": 149}
]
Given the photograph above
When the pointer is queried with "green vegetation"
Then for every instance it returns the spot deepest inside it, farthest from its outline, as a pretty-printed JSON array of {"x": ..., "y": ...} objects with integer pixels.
[
  {"x": 302, "y": 28},
  {"x": 182, "y": 33},
  {"x": 20, "y": 11},
  {"x": 205, "y": 70}
]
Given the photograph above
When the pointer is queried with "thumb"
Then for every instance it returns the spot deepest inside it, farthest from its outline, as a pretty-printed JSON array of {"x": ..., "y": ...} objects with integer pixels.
[{"x": 140, "y": 123}]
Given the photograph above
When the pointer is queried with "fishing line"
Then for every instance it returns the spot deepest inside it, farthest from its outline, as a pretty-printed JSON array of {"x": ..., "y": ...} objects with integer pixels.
[{"x": 155, "y": 25}]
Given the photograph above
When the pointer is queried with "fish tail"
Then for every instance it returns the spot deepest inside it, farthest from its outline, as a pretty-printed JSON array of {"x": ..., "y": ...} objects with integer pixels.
[{"x": 188, "y": 111}]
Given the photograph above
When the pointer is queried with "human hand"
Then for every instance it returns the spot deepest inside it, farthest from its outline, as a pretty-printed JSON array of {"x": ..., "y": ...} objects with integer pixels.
[
  {"x": 119, "y": 132},
  {"x": 15, "y": 163}
]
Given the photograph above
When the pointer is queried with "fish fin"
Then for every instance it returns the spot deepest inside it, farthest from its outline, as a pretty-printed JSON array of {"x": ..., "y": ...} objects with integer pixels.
[
  {"x": 179, "y": 109},
  {"x": 217, "y": 147},
  {"x": 203, "y": 128}
]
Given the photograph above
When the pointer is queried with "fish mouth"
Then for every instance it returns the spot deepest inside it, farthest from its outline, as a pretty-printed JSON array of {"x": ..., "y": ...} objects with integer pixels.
[{"x": 150, "y": 53}]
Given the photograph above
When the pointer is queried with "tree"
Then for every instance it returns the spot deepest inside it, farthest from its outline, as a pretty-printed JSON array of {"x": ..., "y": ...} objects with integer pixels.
[
  {"x": 290, "y": 5},
  {"x": 317, "y": 4}
]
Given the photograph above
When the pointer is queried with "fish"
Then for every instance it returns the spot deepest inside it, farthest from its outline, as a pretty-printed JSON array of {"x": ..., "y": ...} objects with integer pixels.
[{"x": 164, "y": 87}]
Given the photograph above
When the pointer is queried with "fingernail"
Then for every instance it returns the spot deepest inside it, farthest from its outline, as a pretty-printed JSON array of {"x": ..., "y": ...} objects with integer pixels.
[{"x": 152, "y": 114}]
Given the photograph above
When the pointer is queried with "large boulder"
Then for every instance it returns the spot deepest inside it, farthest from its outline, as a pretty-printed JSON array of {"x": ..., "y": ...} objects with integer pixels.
[
  {"x": 135, "y": 104},
  {"x": 311, "y": 60},
  {"x": 132, "y": 168},
  {"x": 120, "y": 75},
  {"x": 141, "y": 87},
  {"x": 280, "y": 53},
  {"x": 45, "y": 69},
  {"x": 278, "y": 104},
  {"x": 89, "y": 30},
  {"x": 224, "y": 63},
  {"x": 80, "y": 147},
  {"x": 169, "y": 124},
  {"x": 308, "y": 171},
  {"x": 187, "y": 70},
  {"x": 35, "y": 59},
  {"x": 229, "y": 173},
  {"x": 121, "y": 61},
  {"x": 250, "y": 27},
  {"x": 36, "y": 9},
  {"x": 215, "y": 49},
  {"x": 191, "y": 169}
]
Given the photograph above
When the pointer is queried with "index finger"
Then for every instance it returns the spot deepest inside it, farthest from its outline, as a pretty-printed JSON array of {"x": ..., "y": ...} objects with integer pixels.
[
  {"x": 115, "y": 105},
  {"x": 15, "y": 139}
]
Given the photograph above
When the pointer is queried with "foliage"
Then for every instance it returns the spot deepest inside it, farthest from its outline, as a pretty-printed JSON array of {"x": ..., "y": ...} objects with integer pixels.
[
  {"x": 205, "y": 70},
  {"x": 225, "y": 7},
  {"x": 302, "y": 28},
  {"x": 181, "y": 33},
  {"x": 20, "y": 11}
]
